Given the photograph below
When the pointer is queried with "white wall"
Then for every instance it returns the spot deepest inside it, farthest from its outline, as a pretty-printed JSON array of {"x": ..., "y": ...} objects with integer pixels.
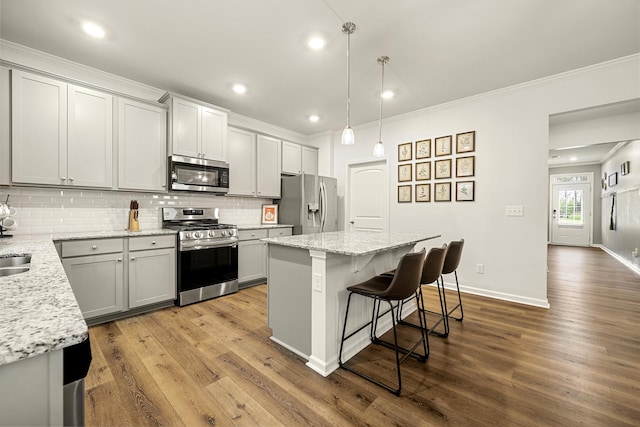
[
  {"x": 512, "y": 142},
  {"x": 626, "y": 236}
]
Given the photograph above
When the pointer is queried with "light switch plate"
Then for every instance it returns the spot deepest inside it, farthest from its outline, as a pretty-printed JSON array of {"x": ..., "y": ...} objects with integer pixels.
[
  {"x": 316, "y": 282},
  {"x": 514, "y": 210}
]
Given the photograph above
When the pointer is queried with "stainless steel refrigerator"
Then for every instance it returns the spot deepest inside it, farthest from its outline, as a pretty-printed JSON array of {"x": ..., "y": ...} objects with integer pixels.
[{"x": 309, "y": 203}]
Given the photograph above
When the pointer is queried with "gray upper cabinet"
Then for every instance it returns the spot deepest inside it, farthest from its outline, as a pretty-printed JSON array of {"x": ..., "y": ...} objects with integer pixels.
[
  {"x": 268, "y": 167},
  {"x": 197, "y": 130},
  {"x": 254, "y": 164},
  {"x": 297, "y": 159},
  {"x": 142, "y": 146},
  {"x": 61, "y": 133},
  {"x": 242, "y": 162}
]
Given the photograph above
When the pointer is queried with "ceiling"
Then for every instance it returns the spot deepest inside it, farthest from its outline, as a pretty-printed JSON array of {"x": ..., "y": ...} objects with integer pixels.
[{"x": 439, "y": 50}]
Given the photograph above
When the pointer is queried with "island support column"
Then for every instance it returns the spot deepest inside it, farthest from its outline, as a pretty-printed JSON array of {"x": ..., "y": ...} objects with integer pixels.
[{"x": 331, "y": 274}]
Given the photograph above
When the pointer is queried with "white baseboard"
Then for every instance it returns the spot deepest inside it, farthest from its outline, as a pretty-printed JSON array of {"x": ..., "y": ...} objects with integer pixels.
[
  {"x": 624, "y": 261},
  {"x": 544, "y": 303}
]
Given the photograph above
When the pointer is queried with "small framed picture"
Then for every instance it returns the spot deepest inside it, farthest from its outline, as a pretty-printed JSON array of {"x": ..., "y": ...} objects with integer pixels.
[
  {"x": 423, "y": 192},
  {"x": 466, "y": 142},
  {"x": 405, "y": 152},
  {"x": 443, "y": 146},
  {"x": 465, "y": 166},
  {"x": 404, "y": 193},
  {"x": 613, "y": 179},
  {"x": 465, "y": 191},
  {"x": 269, "y": 214},
  {"x": 404, "y": 172},
  {"x": 442, "y": 192},
  {"x": 624, "y": 168},
  {"x": 423, "y": 149},
  {"x": 442, "y": 169},
  {"x": 423, "y": 171}
]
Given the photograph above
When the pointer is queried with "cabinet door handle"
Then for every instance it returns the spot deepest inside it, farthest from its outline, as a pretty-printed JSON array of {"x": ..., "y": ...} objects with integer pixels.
[
  {"x": 70, "y": 178},
  {"x": 133, "y": 259},
  {"x": 119, "y": 259},
  {"x": 153, "y": 243},
  {"x": 63, "y": 178},
  {"x": 94, "y": 247}
]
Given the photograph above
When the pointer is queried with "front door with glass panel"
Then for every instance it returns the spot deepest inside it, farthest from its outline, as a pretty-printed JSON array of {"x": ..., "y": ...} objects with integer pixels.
[{"x": 570, "y": 216}]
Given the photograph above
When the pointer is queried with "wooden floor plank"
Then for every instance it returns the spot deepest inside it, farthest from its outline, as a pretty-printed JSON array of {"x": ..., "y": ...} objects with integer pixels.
[{"x": 577, "y": 363}]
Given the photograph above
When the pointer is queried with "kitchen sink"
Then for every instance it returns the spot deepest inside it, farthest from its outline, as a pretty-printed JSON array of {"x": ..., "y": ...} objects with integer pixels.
[
  {"x": 14, "y": 264},
  {"x": 8, "y": 271}
]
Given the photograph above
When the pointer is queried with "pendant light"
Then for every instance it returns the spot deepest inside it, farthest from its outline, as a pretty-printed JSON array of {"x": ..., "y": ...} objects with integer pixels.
[
  {"x": 348, "y": 138},
  {"x": 378, "y": 149}
]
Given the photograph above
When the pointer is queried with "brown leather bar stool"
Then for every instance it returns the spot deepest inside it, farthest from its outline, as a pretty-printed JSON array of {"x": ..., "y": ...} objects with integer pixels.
[
  {"x": 431, "y": 273},
  {"x": 391, "y": 289},
  {"x": 451, "y": 263}
]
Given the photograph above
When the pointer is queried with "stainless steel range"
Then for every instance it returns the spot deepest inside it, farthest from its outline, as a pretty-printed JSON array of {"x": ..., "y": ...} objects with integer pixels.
[{"x": 207, "y": 253}]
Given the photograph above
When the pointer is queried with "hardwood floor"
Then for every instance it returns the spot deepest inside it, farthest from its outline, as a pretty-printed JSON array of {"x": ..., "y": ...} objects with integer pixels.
[{"x": 506, "y": 364}]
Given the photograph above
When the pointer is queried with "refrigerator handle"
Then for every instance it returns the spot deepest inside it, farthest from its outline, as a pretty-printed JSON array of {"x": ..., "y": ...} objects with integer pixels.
[{"x": 323, "y": 206}]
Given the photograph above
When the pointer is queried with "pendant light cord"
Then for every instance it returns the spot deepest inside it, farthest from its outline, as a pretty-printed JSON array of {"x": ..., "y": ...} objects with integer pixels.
[
  {"x": 382, "y": 60},
  {"x": 348, "y": 79},
  {"x": 381, "y": 99}
]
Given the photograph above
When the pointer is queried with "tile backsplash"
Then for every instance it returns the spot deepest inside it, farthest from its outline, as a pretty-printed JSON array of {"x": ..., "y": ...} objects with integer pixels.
[{"x": 55, "y": 210}]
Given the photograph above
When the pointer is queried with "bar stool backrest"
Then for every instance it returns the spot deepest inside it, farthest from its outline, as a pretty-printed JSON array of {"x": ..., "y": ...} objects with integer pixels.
[
  {"x": 454, "y": 253},
  {"x": 433, "y": 264},
  {"x": 407, "y": 277}
]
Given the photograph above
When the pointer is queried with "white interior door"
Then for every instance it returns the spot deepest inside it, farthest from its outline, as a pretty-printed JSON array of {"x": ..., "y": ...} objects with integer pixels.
[
  {"x": 571, "y": 220},
  {"x": 368, "y": 196}
]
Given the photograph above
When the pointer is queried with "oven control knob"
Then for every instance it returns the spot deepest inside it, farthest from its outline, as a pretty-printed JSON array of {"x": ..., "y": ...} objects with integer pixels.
[
  {"x": 188, "y": 234},
  {"x": 197, "y": 235},
  {"x": 224, "y": 233},
  {"x": 212, "y": 233}
]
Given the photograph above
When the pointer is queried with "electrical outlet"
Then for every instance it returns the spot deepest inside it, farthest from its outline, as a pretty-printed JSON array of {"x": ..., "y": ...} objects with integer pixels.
[
  {"x": 480, "y": 268},
  {"x": 514, "y": 210},
  {"x": 316, "y": 282}
]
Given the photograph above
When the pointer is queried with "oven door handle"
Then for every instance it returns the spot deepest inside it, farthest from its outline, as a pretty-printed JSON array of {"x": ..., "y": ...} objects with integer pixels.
[{"x": 197, "y": 246}]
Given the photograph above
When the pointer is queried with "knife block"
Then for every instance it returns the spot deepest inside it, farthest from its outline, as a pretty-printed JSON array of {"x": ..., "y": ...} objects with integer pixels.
[{"x": 133, "y": 221}]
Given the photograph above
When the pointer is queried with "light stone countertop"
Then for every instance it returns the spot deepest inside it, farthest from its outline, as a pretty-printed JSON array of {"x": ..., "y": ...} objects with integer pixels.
[
  {"x": 353, "y": 243},
  {"x": 38, "y": 310},
  {"x": 110, "y": 234},
  {"x": 259, "y": 226}
]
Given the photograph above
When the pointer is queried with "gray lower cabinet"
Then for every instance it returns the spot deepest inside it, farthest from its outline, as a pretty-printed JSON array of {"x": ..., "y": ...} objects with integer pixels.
[
  {"x": 252, "y": 254},
  {"x": 152, "y": 272},
  {"x": 95, "y": 269},
  {"x": 111, "y": 277}
]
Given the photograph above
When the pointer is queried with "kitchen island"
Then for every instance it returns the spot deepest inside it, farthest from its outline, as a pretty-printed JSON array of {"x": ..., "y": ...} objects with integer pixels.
[{"x": 307, "y": 279}]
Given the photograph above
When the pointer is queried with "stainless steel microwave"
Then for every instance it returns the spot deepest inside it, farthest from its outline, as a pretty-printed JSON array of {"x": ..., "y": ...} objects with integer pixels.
[{"x": 193, "y": 174}]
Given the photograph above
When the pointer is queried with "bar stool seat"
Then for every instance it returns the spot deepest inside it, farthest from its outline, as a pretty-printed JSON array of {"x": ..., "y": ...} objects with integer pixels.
[
  {"x": 431, "y": 273},
  {"x": 402, "y": 285}
]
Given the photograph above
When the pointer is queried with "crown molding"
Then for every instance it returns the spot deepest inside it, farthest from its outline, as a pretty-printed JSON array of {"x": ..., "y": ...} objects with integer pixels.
[
  {"x": 13, "y": 55},
  {"x": 253, "y": 125}
]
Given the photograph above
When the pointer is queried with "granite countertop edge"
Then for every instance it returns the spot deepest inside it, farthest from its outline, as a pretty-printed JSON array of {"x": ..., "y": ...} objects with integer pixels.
[
  {"x": 368, "y": 243},
  {"x": 38, "y": 310},
  {"x": 261, "y": 226}
]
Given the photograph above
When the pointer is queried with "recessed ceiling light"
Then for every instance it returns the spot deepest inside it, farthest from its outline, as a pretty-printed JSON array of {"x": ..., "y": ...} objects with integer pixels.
[
  {"x": 93, "y": 30},
  {"x": 239, "y": 88},
  {"x": 314, "y": 118},
  {"x": 573, "y": 159},
  {"x": 387, "y": 94},
  {"x": 316, "y": 43}
]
